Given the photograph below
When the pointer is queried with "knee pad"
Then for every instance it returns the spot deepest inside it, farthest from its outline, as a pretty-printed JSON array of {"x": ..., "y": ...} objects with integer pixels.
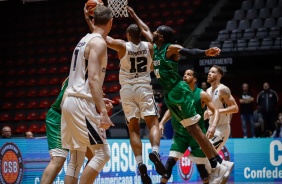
[
  {"x": 75, "y": 164},
  {"x": 203, "y": 172},
  {"x": 101, "y": 157},
  {"x": 168, "y": 167}
]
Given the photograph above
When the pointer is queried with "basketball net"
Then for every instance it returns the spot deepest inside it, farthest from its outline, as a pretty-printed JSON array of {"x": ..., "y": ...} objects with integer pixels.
[{"x": 118, "y": 7}]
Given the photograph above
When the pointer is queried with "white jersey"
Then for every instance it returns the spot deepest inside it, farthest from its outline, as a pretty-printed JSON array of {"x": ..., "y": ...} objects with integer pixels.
[
  {"x": 135, "y": 64},
  {"x": 78, "y": 77},
  {"x": 223, "y": 118}
]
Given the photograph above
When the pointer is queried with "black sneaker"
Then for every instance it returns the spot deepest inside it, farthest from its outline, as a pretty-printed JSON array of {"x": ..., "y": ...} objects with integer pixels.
[
  {"x": 143, "y": 173},
  {"x": 155, "y": 158}
]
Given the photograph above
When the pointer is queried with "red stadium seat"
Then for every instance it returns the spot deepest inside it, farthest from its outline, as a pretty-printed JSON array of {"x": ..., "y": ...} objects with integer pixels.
[
  {"x": 20, "y": 116},
  {"x": 32, "y": 71},
  {"x": 10, "y": 83},
  {"x": 55, "y": 91},
  {"x": 53, "y": 69},
  {"x": 21, "y": 82},
  {"x": 64, "y": 69},
  {"x": 34, "y": 128},
  {"x": 20, "y": 93},
  {"x": 31, "y": 82},
  {"x": 9, "y": 93},
  {"x": 32, "y": 104},
  {"x": 116, "y": 100},
  {"x": 21, "y": 128},
  {"x": 42, "y": 129},
  {"x": 43, "y": 115},
  {"x": 55, "y": 80},
  {"x": 42, "y": 70},
  {"x": 114, "y": 88},
  {"x": 8, "y": 105},
  {"x": 45, "y": 104},
  {"x": 112, "y": 77},
  {"x": 32, "y": 93},
  {"x": 5, "y": 117},
  {"x": 44, "y": 92},
  {"x": 43, "y": 81},
  {"x": 20, "y": 105},
  {"x": 52, "y": 60},
  {"x": 32, "y": 116}
]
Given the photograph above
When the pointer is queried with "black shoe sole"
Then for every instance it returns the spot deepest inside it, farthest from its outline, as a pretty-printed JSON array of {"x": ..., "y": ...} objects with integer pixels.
[
  {"x": 160, "y": 168},
  {"x": 144, "y": 175}
]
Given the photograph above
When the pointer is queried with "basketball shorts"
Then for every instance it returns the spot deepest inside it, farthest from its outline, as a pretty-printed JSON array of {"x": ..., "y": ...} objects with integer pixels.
[
  {"x": 138, "y": 101},
  {"x": 181, "y": 142},
  {"x": 53, "y": 129},
  {"x": 221, "y": 135},
  {"x": 180, "y": 102},
  {"x": 80, "y": 124}
]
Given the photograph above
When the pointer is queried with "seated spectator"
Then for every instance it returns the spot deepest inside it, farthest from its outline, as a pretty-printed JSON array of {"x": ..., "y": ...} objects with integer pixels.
[
  {"x": 28, "y": 135},
  {"x": 278, "y": 131},
  {"x": 6, "y": 132}
]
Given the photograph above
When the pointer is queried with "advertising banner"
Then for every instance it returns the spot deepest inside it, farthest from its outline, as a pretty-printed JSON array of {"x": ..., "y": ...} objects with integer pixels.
[{"x": 256, "y": 161}]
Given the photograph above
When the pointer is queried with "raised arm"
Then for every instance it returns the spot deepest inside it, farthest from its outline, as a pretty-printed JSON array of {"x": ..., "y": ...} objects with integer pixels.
[
  {"x": 87, "y": 18},
  {"x": 145, "y": 30},
  {"x": 116, "y": 44},
  {"x": 229, "y": 100}
]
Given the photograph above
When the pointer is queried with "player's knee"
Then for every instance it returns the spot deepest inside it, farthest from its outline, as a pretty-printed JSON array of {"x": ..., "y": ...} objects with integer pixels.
[
  {"x": 58, "y": 162},
  {"x": 75, "y": 165},
  {"x": 203, "y": 172},
  {"x": 99, "y": 160}
]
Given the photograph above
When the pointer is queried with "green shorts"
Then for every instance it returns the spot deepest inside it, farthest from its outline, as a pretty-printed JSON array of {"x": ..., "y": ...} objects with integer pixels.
[
  {"x": 182, "y": 140},
  {"x": 53, "y": 129},
  {"x": 180, "y": 101}
]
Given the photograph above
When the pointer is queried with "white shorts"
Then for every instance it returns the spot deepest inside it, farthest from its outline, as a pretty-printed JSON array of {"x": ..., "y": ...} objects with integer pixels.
[
  {"x": 138, "y": 101},
  {"x": 57, "y": 152},
  {"x": 80, "y": 124},
  {"x": 221, "y": 135}
]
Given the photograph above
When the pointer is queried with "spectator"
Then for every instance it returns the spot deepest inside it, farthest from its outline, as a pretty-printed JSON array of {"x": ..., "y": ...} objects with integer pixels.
[
  {"x": 246, "y": 110},
  {"x": 258, "y": 122},
  {"x": 28, "y": 135},
  {"x": 6, "y": 132},
  {"x": 267, "y": 99},
  {"x": 204, "y": 85},
  {"x": 278, "y": 132}
]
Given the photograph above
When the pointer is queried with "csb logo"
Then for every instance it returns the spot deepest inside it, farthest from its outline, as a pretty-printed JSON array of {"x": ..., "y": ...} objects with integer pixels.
[
  {"x": 11, "y": 164},
  {"x": 185, "y": 166}
]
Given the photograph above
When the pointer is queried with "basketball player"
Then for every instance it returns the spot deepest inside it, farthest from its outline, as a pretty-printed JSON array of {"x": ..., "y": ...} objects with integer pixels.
[
  {"x": 137, "y": 94},
  {"x": 82, "y": 126},
  {"x": 226, "y": 104},
  {"x": 181, "y": 139},
  {"x": 53, "y": 131},
  {"x": 177, "y": 94}
]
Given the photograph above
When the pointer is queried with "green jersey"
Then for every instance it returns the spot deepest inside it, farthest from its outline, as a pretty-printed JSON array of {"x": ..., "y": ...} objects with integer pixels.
[
  {"x": 166, "y": 70},
  {"x": 57, "y": 104},
  {"x": 178, "y": 127}
]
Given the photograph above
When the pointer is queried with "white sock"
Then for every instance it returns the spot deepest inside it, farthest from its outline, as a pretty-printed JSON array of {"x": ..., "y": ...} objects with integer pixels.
[
  {"x": 156, "y": 149},
  {"x": 139, "y": 159}
]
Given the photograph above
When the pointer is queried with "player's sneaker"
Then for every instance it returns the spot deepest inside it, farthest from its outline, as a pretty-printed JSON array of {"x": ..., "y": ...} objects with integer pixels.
[
  {"x": 143, "y": 174},
  {"x": 217, "y": 174},
  {"x": 229, "y": 166},
  {"x": 155, "y": 158}
]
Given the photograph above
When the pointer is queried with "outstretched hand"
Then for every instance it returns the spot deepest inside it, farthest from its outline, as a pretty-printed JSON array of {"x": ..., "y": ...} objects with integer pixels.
[
  {"x": 213, "y": 51},
  {"x": 130, "y": 11}
]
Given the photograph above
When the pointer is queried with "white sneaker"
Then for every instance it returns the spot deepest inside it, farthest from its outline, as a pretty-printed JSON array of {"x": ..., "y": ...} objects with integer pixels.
[
  {"x": 217, "y": 174},
  {"x": 229, "y": 166}
]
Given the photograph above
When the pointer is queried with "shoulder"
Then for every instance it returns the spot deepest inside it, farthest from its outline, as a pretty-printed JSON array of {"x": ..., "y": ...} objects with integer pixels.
[{"x": 224, "y": 89}]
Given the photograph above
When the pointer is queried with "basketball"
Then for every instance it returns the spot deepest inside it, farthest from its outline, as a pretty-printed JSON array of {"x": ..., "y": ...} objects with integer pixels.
[{"x": 91, "y": 5}]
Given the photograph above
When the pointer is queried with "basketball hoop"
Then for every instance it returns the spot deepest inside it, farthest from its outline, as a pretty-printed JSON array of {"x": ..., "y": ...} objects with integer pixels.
[{"x": 118, "y": 7}]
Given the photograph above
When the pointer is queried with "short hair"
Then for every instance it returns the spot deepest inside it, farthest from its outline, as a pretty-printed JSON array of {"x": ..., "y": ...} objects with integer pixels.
[
  {"x": 102, "y": 15},
  {"x": 167, "y": 33},
  {"x": 134, "y": 31},
  {"x": 219, "y": 69}
]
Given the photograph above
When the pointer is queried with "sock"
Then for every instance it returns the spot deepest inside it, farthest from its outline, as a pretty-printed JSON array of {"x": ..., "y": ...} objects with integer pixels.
[
  {"x": 213, "y": 162},
  {"x": 219, "y": 159},
  {"x": 139, "y": 159},
  {"x": 156, "y": 148}
]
